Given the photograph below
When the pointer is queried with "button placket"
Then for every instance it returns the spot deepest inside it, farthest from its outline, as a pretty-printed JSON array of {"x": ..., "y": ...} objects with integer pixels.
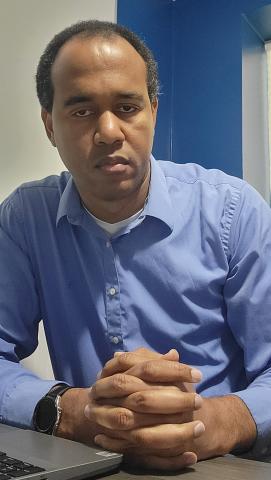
[{"x": 112, "y": 298}]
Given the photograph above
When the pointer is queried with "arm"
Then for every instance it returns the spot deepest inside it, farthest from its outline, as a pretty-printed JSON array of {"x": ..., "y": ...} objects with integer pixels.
[
  {"x": 20, "y": 389},
  {"x": 247, "y": 294}
]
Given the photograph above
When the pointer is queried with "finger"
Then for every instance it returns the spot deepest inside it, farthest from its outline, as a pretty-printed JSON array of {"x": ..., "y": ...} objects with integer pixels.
[
  {"x": 122, "y": 361},
  {"x": 161, "y": 437},
  {"x": 186, "y": 386},
  {"x": 146, "y": 459},
  {"x": 118, "y": 385},
  {"x": 165, "y": 436},
  {"x": 121, "y": 419},
  {"x": 125, "y": 360},
  {"x": 163, "y": 401},
  {"x": 110, "y": 441},
  {"x": 114, "y": 418},
  {"x": 149, "y": 354},
  {"x": 143, "y": 352},
  {"x": 159, "y": 462},
  {"x": 158, "y": 371},
  {"x": 117, "y": 445}
]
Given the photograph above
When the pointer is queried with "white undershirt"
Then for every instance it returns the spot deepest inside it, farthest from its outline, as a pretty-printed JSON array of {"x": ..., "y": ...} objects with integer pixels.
[{"x": 112, "y": 228}]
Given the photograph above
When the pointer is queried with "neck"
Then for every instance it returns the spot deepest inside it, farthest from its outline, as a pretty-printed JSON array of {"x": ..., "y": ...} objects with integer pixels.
[{"x": 115, "y": 210}]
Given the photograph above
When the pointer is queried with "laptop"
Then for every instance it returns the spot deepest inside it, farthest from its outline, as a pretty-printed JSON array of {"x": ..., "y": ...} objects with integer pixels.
[{"x": 28, "y": 454}]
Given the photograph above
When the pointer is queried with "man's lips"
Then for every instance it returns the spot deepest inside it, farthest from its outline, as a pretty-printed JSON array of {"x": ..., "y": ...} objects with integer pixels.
[
  {"x": 111, "y": 165},
  {"x": 111, "y": 161}
]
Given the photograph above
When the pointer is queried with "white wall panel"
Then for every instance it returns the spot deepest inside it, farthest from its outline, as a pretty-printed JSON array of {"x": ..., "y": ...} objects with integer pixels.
[{"x": 26, "y": 26}]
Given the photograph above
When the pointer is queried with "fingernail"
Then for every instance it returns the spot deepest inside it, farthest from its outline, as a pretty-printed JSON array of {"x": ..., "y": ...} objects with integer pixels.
[
  {"x": 196, "y": 375},
  {"x": 199, "y": 429},
  {"x": 86, "y": 411},
  {"x": 189, "y": 458},
  {"x": 117, "y": 354},
  {"x": 198, "y": 401},
  {"x": 173, "y": 350},
  {"x": 98, "y": 439},
  {"x": 98, "y": 376}
]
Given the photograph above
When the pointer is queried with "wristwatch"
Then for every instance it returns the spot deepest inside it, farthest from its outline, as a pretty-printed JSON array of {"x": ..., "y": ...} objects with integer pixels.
[{"x": 47, "y": 413}]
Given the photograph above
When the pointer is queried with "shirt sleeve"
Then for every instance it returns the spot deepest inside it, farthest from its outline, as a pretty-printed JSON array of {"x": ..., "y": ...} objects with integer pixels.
[
  {"x": 248, "y": 301},
  {"x": 20, "y": 389}
]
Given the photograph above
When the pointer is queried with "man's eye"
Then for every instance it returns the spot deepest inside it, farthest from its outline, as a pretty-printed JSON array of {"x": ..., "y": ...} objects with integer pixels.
[
  {"x": 127, "y": 109},
  {"x": 83, "y": 113}
]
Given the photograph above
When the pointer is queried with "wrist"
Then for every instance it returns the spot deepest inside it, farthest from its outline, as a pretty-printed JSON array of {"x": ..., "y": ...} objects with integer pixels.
[
  {"x": 228, "y": 426},
  {"x": 72, "y": 423},
  {"x": 47, "y": 414}
]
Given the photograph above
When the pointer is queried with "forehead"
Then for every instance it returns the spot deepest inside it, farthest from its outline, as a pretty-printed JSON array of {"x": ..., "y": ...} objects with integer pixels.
[{"x": 98, "y": 57}]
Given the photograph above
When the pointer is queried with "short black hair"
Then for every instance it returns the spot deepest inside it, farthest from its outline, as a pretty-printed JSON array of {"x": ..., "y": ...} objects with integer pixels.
[{"x": 85, "y": 29}]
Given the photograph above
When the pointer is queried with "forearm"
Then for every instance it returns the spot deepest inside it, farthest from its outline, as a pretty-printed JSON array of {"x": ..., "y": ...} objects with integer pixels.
[
  {"x": 228, "y": 424},
  {"x": 20, "y": 390}
]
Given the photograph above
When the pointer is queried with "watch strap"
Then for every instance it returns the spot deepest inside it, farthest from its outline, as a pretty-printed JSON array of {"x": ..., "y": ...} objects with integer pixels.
[
  {"x": 54, "y": 412},
  {"x": 58, "y": 389}
]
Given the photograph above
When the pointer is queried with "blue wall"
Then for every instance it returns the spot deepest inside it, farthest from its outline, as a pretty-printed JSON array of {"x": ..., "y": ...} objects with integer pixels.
[
  {"x": 151, "y": 19},
  {"x": 199, "y": 48}
]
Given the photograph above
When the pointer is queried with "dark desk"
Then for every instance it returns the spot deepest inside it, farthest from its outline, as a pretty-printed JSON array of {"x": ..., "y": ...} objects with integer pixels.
[{"x": 223, "y": 468}]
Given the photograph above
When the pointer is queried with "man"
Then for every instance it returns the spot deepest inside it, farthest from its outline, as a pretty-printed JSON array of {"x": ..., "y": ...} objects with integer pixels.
[{"x": 125, "y": 252}]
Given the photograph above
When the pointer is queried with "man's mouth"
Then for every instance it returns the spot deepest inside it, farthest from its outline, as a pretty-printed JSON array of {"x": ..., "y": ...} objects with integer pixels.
[{"x": 114, "y": 164}]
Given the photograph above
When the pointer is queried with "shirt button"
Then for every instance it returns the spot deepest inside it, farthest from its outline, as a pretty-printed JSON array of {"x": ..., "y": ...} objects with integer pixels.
[
  {"x": 114, "y": 340},
  {"x": 108, "y": 244},
  {"x": 112, "y": 291}
]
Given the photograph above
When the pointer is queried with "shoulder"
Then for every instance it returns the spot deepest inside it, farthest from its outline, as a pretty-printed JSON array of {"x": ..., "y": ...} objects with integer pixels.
[
  {"x": 230, "y": 204},
  {"x": 45, "y": 185},
  {"x": 33, "y": 201},
  {"x": 192, "y": 173},
  {"x": 49, "y": 189},
  {"x": 208, "y": 190}
]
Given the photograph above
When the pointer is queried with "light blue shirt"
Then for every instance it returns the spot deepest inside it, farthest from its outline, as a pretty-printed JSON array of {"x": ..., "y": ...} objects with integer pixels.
[{"x": 193, "y": 272}]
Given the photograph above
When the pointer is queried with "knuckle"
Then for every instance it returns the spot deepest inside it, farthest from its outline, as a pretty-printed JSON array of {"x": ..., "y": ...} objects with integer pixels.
[
  {"x": 123, "y": 419},
  {"x": 140, "y": 400},
  {"x": 93, "y": 392},
  {"x": 141, "y": 438},
  {"x": 124, "y": 360},
  {"x": 141, "y": 349},
  {"x": 177, "y": 367},
  {"x": 149, "y": 369},
  {"x": 119, "y": 382}
]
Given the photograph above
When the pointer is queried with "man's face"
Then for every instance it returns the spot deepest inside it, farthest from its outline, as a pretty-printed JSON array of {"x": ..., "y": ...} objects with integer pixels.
[{"x": 102, "y": 121}]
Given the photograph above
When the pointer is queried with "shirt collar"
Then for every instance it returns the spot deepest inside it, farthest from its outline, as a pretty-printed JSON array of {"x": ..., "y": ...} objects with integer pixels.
[
  {"x": 70, "y": 204},
  {"x": 158, "y": 205}
]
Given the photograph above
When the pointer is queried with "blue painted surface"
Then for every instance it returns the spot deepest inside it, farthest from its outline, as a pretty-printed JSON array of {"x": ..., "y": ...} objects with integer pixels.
[
  {"x": 206, "y": 86},
  {"x": 151, "y": 20},
  {"x": 261, "y": 21}
]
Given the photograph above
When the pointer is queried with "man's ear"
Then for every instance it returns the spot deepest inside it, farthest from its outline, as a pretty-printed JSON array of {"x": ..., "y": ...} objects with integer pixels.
[
  {"x": 48, "y": 124},
  {"x": 154, "y": 108}
]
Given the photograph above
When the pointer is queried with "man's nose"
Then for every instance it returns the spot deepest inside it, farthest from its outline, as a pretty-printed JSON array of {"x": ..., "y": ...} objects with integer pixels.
[{"x": 108, "y": 129}]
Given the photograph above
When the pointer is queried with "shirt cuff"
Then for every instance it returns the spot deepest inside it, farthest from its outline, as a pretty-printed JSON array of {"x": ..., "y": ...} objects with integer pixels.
[
  {"x": 20, "y": 399},
  {"x": 256, "y": 400}
]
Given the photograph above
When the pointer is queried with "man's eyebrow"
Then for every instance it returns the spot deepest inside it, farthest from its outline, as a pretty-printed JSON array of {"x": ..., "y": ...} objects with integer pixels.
[
  {"x": 77, "y": 99},
  {"x": 130, "y": 95},
  {"x": 74, "y": 100}
]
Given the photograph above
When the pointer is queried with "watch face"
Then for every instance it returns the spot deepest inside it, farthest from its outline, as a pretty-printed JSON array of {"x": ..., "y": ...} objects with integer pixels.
[{"x": 45, "y": 415}]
